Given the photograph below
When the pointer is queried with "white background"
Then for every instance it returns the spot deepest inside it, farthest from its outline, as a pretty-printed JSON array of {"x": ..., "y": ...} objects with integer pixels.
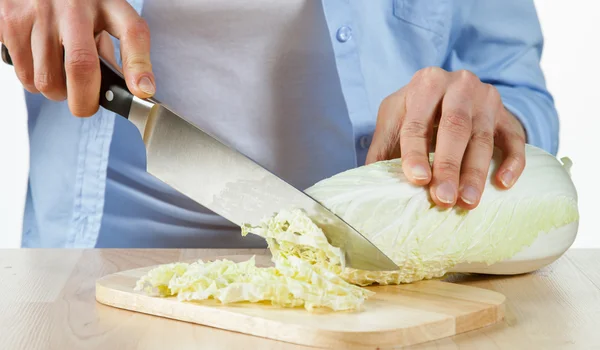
[{"x": 570, "y": 61}]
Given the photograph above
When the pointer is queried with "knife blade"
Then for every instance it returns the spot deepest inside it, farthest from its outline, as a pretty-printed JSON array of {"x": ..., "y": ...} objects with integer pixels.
[{"x": 219, "y": 177}]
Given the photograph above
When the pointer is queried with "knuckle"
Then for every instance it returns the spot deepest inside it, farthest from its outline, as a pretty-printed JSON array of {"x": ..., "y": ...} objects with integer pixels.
[
  {"x": 465, "y": 74},
  {"x": 25, "y": 76},
  {"x": 386, "y": 106},
  {"x": 483, "y": 138},
  {"x": 430, "y": 78},
  {"x": 81, "y": 61},
  {"x": 83, "y": 109},
  {"x": 447, "y": 166},
  {"x": 138, "y": 30},
  {"x": 431, "y": 71},
  {"x": 391, "y": 105},
  {"x": 517, "y": 154},
  {"x": 518, "y": 158},
  {"x": 492, "y": 92},
  {"x": 42, "y": 7},
  {"x": 467, "y": 78},
  {"x": 12, "y": 20},
  {"x": 7, "y": 13},
  {"x": 45, "y": 82},
  {"x": 413, "y": 154},
  {"x": 493, "y": 96},
  {"x": 414, "y": 128},
  {"x": 457, "y": 122},
  {"x": 136, "y": 60},
  {"x": 386, "y": 102},
  {"x": 475, "y": 175}
]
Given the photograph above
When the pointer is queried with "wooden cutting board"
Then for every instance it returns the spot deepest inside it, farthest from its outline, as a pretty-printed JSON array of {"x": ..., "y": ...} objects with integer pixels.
[{"x": 394, "y": 316}]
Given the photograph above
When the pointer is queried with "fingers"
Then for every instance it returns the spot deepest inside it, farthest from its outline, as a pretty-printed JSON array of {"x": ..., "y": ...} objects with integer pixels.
[
  {"x": 81, "y": 62},
  {"x": 16, "y": 35},
  {"x": 124, "y": 23},
  {"x": 472, "y": 119},
  {"x": 36, "y": 39},
  {"x": 478, "y": 155},
  {"x": 385, "y": 143},
  {"x": 422, "y": 103},
  {"x": 453, "y": 136},
  {"x": 510, "y": 138},
  {"x": 106, "y": 49},
  {"x": 48, "y": 59}
]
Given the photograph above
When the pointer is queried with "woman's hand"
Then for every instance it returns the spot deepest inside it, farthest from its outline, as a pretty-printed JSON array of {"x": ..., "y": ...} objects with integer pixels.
[
  {"x": 38, "y": 33},
  {"x": 470, "y": 119}
]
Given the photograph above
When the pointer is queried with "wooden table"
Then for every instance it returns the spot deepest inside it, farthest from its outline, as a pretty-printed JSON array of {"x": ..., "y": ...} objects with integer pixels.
[{"x": 47, "y": 302}]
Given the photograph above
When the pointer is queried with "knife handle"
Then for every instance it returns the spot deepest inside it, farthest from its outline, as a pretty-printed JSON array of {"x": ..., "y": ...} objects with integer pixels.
[
  {"x": 6, "y": 56},
  {"x": 114, "y": 94}
]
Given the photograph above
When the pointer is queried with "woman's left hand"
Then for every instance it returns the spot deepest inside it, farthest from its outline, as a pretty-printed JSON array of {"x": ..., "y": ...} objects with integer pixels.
[{"x": 471, "y": 120}]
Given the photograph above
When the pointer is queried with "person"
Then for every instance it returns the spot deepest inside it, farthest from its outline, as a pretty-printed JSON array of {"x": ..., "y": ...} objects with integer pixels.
[{"x": 307, "y": 88}]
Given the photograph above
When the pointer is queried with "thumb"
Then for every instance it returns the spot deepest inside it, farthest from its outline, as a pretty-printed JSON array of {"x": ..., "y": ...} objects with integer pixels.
[{"x": 134, "y": 38}]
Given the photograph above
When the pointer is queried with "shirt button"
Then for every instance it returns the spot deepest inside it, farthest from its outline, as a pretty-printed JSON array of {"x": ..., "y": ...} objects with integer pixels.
[
  {"x": 364, "y": 142},
  {"x": 344, "y": 34}
]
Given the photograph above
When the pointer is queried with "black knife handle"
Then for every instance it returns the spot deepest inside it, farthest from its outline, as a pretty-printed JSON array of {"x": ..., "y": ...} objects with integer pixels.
[
  {"x": 6, "y": 56},
  {"x": 114, "y": 94}
]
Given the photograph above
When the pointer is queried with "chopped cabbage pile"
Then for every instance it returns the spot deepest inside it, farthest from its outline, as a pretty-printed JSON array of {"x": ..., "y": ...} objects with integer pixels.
[
  {"x": 293, "y": 283},
  {"x": 399, "y": 218}
]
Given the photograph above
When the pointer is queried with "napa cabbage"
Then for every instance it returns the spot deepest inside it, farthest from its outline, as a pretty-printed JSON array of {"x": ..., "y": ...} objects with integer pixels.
[{"x": 426, "y": 241}]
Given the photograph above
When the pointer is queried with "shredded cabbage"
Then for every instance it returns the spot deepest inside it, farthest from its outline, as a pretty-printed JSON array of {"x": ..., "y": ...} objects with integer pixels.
[{"x": 306, "y": 272}]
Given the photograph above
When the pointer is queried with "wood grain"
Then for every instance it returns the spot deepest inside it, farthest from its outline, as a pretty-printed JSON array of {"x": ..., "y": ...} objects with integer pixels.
[
  {"x": 395, "y": 316},
  {"x": 47, "y": 301}
]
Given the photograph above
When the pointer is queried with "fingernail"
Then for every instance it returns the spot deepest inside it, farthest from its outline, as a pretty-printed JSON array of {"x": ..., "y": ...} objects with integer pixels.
[
  {"x": 419, "y": 172},
  {"x": 469, "y": 195},
  {"x": 445, "y": 193},
  {"x": 507, "y": 178},
  {"x": 145, "y": 84}
]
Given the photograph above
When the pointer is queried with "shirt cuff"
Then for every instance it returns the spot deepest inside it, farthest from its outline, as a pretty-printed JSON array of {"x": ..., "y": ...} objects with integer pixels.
[{"x": 537, "y": 116}]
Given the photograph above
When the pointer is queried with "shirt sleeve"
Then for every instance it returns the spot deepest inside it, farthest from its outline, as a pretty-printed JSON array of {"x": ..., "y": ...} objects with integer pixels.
[{"x": 501, "y": 41}]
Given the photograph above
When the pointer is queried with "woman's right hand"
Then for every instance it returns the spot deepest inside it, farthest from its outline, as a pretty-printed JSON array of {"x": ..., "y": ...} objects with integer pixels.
[{"x": 36, "y": 33}]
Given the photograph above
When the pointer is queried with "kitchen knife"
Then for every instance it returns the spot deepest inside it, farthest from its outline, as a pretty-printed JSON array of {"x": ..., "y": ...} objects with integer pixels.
[{"x": 220, "y": 178}]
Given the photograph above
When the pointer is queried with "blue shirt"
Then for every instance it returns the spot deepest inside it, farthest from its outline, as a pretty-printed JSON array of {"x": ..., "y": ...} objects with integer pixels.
[{"x": 87, "y": 184}]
